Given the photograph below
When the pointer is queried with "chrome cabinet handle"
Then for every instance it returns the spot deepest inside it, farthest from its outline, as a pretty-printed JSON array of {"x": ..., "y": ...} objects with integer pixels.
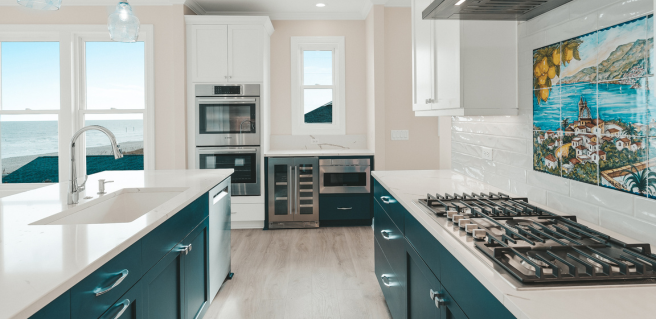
[
  {"x": 344, "y": 208},
  {"x": 186, "y": 249},
  {"x": 385, "y": 234},
  {"x": 387, "y": 200},
  {"x": 439, "y": 301},
  {"x": 125, "y": 304},
  {"x": 386, "y": 280},
  {"x": 102, "y": 291}
]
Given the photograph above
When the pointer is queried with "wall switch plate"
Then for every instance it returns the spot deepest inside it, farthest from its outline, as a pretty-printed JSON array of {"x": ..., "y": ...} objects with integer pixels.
[
  {"x": 400, "y": 135},
  {"x": 487, "y": 153}
]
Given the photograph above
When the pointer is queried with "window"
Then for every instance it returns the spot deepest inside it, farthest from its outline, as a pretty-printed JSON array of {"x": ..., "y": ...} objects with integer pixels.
[
  {"x": 318, "y": 103},
  {"x": 55, "y": 80}
]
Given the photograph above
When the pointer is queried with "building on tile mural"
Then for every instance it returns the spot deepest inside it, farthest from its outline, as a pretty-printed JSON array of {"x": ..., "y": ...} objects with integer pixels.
[{"x": 594, "y": 115}]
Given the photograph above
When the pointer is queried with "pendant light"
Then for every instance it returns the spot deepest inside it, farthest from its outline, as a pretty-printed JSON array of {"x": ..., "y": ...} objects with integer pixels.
[
  {"x": 41, "y": 4},
  {"x": 123, "y": 25}
]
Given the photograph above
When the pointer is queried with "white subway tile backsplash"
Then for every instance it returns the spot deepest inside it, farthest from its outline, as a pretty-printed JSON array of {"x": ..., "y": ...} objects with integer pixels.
[
  {"x": 511, "y": 140},
  {"x": 568, "y": 205},
  {"x": 629, "y": 226},
  {"x": 603, "y": 197},
  {"x": 548, "y": 182}
]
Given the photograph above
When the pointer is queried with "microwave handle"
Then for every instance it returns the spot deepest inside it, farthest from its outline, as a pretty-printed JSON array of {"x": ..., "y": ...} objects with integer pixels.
[
  {"x": 225, "y": 100},
  {"x": 226, "y": 151}
]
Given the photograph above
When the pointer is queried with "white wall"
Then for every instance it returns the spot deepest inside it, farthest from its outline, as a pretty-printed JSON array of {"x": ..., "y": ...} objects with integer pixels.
[{"x": 511, "y": 137}]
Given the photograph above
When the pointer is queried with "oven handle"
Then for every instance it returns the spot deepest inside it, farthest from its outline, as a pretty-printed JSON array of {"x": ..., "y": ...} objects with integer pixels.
[
  {"x": 234, "y": 150},
  {"x": 225, "y": 100}
]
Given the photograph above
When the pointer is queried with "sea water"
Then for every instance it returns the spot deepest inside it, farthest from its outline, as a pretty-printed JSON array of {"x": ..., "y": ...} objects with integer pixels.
[{"x": 23, "y": 138}]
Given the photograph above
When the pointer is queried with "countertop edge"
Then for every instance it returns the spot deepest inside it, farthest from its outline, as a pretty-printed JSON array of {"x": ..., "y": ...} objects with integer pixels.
[{"x": 70, "y": 282}]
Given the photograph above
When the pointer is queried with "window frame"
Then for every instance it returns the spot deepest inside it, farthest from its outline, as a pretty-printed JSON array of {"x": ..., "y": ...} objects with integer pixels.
[
  {"x": 72, "y": 108},
  {"x": 336, "y": 45}
]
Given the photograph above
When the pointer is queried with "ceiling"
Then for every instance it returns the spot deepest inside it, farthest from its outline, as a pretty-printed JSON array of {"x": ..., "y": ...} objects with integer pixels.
[{"x": 293, "y": 9}]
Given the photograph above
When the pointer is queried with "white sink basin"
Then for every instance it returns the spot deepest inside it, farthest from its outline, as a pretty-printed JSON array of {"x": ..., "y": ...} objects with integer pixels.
[{"x": 123, "y": 206}]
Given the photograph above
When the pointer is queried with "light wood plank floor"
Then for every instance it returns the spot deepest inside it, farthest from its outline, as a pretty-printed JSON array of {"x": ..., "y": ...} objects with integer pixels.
[{"x": 298, "y": 273}]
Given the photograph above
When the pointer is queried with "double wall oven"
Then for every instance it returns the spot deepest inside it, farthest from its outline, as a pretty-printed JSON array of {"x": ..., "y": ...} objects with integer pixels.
[{"x": 228, "y": 133}]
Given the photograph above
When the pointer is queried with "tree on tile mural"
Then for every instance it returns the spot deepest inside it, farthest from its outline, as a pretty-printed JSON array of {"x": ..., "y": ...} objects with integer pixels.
[{"x": 604, "y": 110}]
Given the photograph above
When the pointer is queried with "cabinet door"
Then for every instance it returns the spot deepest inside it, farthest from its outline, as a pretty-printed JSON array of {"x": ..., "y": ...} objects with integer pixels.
[
  {"x": 245, "y": 53},
  {"x": 423, "y": 62},
  {"x": 451, "y": 310},
  {"x": 196, "y": 267},
  {"x": 129, "y": 306},
  {"x": 59, "y": 308},
  {"x": 209, "y": 53},
  {"x": 423, "y": 288},
  {"x": 162, "y": 288}
]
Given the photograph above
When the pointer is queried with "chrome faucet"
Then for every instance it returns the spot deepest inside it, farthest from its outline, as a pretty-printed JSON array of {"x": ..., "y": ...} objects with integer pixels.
[{"x": 75, "y": 189}]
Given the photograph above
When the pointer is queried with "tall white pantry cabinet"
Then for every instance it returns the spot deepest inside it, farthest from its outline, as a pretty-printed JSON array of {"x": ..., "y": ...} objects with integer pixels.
[
  {"x": 463, "y": 68},
  {"x": 223, "y": 50}
]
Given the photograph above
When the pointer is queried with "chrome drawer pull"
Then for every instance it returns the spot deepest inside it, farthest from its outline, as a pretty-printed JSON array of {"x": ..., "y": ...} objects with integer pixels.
[
  {"x": 439, "y": 301},
  {"x": 344, "y": 208},
  {"x": 186, "y": 249},
  {"x": 385, "y": 233},
  {"x": 101, "y": 291},
  {"x": 387, "y": 200},
  {"x": 386, "y": 280},
  {"x": 125, "y": 304}
]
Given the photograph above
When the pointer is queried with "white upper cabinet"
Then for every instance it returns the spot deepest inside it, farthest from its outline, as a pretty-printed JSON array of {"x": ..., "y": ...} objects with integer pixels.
[
  {"x": 245, "y": 53},
  {"x": 210, "y": 60},
  {"x": 227, "y": 49},
  {"x": 463, "y": 68}
]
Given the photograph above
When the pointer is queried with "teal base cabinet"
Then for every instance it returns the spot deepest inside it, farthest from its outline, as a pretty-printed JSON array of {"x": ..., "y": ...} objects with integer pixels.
[
  {"x": 163, "y": 275},
  {"x": 418, "y": 276},
  {"x": 345, "y": 209}
]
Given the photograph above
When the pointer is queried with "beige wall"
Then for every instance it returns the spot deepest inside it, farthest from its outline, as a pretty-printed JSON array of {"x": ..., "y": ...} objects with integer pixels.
[
  {"x": 375, "y": 28},
  {"x": 422, "y": 150},
  {"x": 169, "y": 42},
  {"x": 354, "y": 33}
]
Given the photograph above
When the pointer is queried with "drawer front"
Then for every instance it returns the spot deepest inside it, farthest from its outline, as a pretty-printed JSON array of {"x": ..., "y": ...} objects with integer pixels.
[
  {"x": 345, "y": 207},
  {"x": 166, "y": 236},
  {"x": 390, "y": 239},
  {"x": 110, "y": 281},
  {"x": 393, "y": 286},
  {"x": 59, "y": 308},
  {"x": 469, "y": 294},
  {"x": 425, "y": 244},
  {"x": 393, "y": 208}
]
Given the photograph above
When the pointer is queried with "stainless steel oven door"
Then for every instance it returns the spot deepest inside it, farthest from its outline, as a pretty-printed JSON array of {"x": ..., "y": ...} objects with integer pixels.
[
  {"x": 225, "y": 121},
  {"x": 244, "y": 160},
  {"x": 344, "y": 179}
]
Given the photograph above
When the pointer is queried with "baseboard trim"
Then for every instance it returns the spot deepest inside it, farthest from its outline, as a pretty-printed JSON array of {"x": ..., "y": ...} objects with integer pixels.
[{"x": 250, "y": 224}]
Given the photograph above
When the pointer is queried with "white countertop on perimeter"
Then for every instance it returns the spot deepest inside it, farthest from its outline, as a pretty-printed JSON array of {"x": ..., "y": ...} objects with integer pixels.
[
  {"x": 333, "y": 152},
  {"x": 577, "y": 302},
  {"x": 40, "y": 262}
]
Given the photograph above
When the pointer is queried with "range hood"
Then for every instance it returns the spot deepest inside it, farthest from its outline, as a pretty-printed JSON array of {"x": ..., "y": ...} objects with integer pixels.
[{"x": 501, "y": 10}]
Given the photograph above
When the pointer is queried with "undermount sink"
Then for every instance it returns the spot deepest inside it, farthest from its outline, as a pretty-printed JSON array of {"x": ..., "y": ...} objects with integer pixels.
[{"x": 123, "y": 206}]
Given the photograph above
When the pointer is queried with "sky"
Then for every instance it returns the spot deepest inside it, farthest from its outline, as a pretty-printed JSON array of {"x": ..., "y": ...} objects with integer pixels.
[
  {"x": 31, "y": 77},
  {"x": 317, "y": 70}
]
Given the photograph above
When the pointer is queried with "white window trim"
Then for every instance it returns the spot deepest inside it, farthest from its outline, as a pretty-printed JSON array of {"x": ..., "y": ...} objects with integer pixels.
[
  {"x": 71, "y": 38},
  {"x": 336, "y": 44}
]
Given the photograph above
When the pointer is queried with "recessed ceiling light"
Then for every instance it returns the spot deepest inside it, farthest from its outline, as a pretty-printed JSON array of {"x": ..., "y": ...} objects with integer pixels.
[{"x": 321, "y": 5}]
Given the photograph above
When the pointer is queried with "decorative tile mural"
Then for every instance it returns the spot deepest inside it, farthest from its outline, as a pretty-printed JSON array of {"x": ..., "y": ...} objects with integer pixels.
[{"x": 594, "y": 115}]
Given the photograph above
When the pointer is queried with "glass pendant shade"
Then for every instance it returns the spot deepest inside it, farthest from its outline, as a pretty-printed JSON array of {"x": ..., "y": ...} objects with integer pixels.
[
  {"x": 123, "y": 25},
  {"x": 41, "y": 4}
]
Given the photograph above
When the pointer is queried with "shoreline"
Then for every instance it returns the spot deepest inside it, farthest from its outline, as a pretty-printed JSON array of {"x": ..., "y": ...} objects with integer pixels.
[{"x": 11, "y": 164}]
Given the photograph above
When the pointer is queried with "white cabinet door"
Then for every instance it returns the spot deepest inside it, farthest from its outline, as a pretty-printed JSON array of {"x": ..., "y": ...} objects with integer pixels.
[
  {"x": 423, "y": 59},
  {"x": 210, "y": 49},
  {"x": 245, "y": 53},
  {"x": 447, "y": 78}
]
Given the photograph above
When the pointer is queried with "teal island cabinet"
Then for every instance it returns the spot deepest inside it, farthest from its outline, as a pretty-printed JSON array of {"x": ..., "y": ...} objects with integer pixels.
[
  {"x": 419, "y": 278},
  {"x": 163, "y": 275}
]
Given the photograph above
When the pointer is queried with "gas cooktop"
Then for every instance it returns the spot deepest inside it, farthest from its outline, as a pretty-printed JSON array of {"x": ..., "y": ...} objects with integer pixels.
[{"x": 539, "y": 247}]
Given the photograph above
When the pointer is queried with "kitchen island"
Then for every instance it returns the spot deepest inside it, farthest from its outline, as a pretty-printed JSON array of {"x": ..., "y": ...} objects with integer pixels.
[
  {"x": 522, "y": 301},
  {"x": 44, "y": 257}
]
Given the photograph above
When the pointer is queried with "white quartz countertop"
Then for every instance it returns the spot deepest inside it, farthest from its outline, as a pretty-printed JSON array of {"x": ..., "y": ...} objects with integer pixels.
[
  {"x": 578, "y": 302},
  {"x": 40, "y": 262},
  {"x": 333, "y": 152}
]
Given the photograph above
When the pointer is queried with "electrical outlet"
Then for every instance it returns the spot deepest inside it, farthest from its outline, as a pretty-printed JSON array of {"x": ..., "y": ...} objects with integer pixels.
[
  {"x": 487, "y": 153},
  {"x": 315, "y": 141}
]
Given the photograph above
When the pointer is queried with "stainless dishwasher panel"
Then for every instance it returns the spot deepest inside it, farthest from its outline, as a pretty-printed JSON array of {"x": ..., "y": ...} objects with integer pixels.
[{"x": 219, "y": 241}]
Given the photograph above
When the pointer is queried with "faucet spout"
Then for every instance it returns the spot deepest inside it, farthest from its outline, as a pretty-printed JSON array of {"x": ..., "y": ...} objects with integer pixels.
[{"x": 74, "y": 190}]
